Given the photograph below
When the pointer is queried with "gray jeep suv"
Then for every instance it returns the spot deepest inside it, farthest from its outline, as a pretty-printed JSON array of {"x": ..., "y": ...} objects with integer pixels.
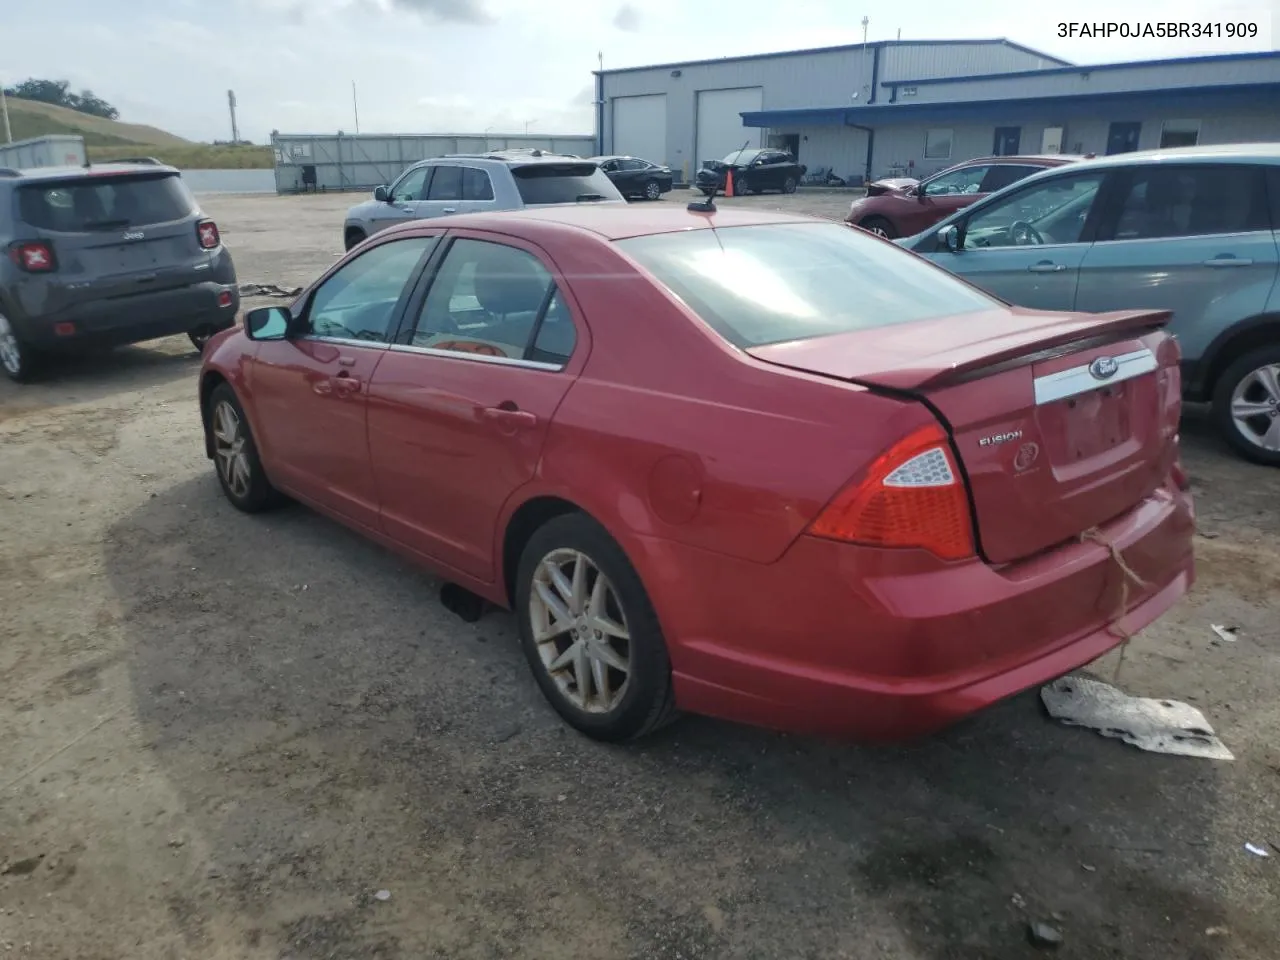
[
  {"x": 104, "y": 255},
  {"x": 472, "y": 183}
]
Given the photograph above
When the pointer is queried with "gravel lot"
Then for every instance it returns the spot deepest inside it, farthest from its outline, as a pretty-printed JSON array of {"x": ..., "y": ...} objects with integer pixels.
[{"x": 224, "y": 735}]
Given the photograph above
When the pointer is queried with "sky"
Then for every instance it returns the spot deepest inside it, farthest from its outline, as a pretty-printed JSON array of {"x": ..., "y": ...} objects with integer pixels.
[{"x": 502, "y": 66}]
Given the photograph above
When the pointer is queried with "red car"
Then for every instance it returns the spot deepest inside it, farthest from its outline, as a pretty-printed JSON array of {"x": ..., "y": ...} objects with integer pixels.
[
  {"x": 715, "y": 462},
  {"x": 905, "y": 207}
]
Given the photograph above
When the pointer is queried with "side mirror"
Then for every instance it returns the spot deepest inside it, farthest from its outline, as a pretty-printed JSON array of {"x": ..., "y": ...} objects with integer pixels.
[
  {"x": 381, "y": 194},
  {"x": 949, "y": 238},
  {"x": 919, "y": 191},
  {"x": 267, "y": 323}
]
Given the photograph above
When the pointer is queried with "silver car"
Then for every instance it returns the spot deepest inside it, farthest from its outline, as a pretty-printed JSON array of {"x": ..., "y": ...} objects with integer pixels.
[
  {"x": 467, "y": 183},
  {"x": 1195, "y": 230}
]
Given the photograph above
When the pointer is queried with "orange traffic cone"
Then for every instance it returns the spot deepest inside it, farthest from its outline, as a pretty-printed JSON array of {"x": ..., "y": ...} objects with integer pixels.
[{"x": 728, "y": 183}]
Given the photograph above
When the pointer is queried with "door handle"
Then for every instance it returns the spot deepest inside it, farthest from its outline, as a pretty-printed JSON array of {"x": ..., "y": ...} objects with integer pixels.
[
  {"x": 346, "y": 386},
  {"x": 511, "y": 417},
  {"x": 1044, "y": 266},
  {"x": 406, "y": 209},
  {"x": 449, "y": 210},
  {"x": 347, "y": 361},
  {"x": 1228, "y": 261}
]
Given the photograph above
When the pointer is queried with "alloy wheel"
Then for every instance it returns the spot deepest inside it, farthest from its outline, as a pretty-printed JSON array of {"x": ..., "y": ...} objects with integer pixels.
[
  {"x": 1255, "y": 407},
  {"x": 10, "y": 351},
  {"x": 229, "y": 450},
  {"x": 878, "y": 230},
  {"x": 581, "y": 631},
  {"x": 652, "y": 191}
]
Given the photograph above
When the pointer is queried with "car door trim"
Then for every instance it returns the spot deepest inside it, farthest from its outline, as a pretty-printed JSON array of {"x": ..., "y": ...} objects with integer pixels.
[
  {"x": 346, "y": 341},
  {"x": 1077, "y": 380},
  {"x": 476, "y": 357}
]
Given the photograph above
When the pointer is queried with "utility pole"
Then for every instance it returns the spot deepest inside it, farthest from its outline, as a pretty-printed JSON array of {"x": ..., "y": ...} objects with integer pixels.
[
  {"x": 355, "y": 105},
  {"x": 235, "y": 130},
  {"x": 866, "y": 22}
]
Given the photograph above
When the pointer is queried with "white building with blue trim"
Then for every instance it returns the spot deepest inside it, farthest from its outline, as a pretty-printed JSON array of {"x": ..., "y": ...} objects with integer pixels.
[{"x": 910, "y": 108}]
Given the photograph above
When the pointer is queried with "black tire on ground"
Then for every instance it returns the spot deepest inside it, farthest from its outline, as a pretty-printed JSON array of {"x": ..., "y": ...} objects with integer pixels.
[
  {"x": 1238, "y": 372},
  {"x": 258, "y": 494},
  {"x": 881, "y": 226},
  {"x": 201, "y": 336},
  {"x": 652, "y": 190},
  {"x": 648, "y": 701},
  {"x": 353, "y": 237},
  {"x": 18, "y": 360},
  {"x": 741, "y": 187},
  {"x": 789, "y": 185}
]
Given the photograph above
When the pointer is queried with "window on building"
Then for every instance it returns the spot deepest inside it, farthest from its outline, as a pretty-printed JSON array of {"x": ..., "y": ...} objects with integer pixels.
[
  {"x": 1180, "y": 133},
  {"x": 937, "y": 145}
]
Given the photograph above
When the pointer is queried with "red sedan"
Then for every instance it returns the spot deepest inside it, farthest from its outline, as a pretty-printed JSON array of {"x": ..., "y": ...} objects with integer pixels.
[{"x": 715, "y": 462}]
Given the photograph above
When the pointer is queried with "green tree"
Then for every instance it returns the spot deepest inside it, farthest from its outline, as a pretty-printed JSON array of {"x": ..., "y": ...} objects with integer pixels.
[{"x": 58, "y": 92}]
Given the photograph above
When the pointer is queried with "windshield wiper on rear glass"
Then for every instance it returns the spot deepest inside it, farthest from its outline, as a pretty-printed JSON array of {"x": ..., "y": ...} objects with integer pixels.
[{"x": 104, "y": 224}]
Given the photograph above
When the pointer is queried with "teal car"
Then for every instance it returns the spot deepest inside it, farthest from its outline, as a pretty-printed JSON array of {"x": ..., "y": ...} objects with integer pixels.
[{"x": 1195, "y": 230}]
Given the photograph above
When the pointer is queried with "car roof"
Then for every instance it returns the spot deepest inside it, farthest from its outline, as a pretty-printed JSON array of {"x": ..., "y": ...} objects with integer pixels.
[
  {"x": 611, "y": 222},
  {"x": 510, "y": 157},
  {"x": 40, "y": 174},
  {"x": 1215, "y": 153}
]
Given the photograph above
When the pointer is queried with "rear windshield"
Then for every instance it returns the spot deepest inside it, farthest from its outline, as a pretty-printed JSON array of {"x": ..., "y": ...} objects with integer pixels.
[
  {"x": 777, "y": 282},
  {"x": 92, "y": 203},
  {"x": 563, "y": 183}
]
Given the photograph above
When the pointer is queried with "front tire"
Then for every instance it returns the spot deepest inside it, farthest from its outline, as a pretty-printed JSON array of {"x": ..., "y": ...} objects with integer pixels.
[
  {"x": 789, "y": 185},
  {"x": 590, "y": 633},
  {"x": 19, "y": 362},
  {"x": 652, "y": 190},
  {"x": 880, "y": 227},
  {"x": 1246, "y": 405},
  {"x": 353, "y": 237},
  {"x": 235, "y": 455}
]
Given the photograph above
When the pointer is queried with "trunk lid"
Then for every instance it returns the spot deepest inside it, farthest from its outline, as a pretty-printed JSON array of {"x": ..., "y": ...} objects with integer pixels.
[{"x": 1060, "y": 421}]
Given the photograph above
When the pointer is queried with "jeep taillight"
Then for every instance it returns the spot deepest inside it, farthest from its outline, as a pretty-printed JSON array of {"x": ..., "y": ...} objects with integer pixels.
[
  {"x": 911, "y": 496},
  {"x": 33, "y": 257},
  {"x": 207, "y": 233}
]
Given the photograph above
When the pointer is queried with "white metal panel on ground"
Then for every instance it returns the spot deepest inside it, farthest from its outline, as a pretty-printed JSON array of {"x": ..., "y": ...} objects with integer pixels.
[
  {"x": 719, "y": 123},
  {"x": 640, "y": 127}
]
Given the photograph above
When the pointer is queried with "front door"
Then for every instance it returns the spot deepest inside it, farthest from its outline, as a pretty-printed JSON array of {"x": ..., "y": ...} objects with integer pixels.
[
  {"x": 1194, "y": 239},
  {"x": 310, "y": 392},
  {"x": 1007, "y": 141},
  {"x": 460, "y": 406},
  {"x": 1026, "y": 247},
  {"x": 1122, "y": 137},
  {"x": 402, "y": 203}
]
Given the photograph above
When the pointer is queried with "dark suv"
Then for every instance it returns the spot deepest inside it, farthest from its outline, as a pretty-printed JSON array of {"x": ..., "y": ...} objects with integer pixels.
[{"x": 104, "y": 255}]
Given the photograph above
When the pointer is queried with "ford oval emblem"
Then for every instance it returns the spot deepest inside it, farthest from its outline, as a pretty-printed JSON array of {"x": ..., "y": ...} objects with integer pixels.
[{"x": 1104, "y": 368}]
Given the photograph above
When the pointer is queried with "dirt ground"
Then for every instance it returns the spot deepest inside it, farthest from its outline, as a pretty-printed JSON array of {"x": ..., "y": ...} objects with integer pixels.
[{"x": 223, "y": 735}]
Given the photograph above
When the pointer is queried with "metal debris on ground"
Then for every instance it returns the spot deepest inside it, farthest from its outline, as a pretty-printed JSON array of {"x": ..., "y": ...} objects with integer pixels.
[
  {"x": 1256, "y": 850},
  {"x": 1043, "y": 934},
  {"x": 1158, "y": 726},
  {"x": 267, "y": 290},
  {"x": 1224, "y": 633},
  {"x": 383, "y": 895}
]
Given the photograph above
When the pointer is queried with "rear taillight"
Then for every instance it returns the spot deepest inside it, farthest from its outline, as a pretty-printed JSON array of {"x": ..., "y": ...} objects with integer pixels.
[
  {"x": 207, "y": 233},
  {"x": 911, "y": 496},
  {"x": 33, "y": 257}
]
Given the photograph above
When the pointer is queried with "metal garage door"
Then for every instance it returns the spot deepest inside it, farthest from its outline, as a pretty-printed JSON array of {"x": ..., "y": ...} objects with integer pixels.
[
  {"x": 720, "y": 128},
  {"x": 640, "y": 127}
]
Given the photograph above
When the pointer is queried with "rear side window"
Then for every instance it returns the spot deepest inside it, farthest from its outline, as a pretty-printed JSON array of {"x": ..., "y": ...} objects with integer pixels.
[
  {"x": 1163, "y": 202},
  {"x": 446, "y": 184},
  {"x": 100, "y": 203},
  {"x": 1000, "y": 175},
  {"x": 563, "y": 183},
  {"x": 476, "y": 185},
  {"x": 778, "y": 282}
]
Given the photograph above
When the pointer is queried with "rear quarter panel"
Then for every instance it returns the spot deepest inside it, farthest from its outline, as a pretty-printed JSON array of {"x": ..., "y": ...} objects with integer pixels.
[{"x": 672, "y": 433}]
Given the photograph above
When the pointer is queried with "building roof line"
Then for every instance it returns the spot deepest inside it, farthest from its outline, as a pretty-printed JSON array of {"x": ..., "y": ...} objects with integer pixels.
[
  {"x": 839, "y": 48},
  {"x": 1089, "y": 68}
]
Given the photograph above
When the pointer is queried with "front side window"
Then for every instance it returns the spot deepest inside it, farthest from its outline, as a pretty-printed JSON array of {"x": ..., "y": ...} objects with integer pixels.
[
  {"x": 1051, "y": 211},
  {"x": 964, "y": 180},
  {"x": 490, "y": 299},
  {"x": 937, "y": 144},
  {"x": 1163, "y": 202},
  {"x": 740, "y": 157},
  {"x": 773, "y": 283},
  {"x": 412, "y": 186},
  {"x": 358, "y": 301}
]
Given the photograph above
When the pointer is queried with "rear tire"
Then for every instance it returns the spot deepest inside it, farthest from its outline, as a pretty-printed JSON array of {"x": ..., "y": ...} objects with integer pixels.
[
  {"x": 201, "y": 336},
  {"x": 789, "y": 185},
  {"x": 652, "y": 190},
  {"x": 235, "y": 455},
  {"x": 627, "y": 691},
  {"x": 354, "y": 237},
  {"x": 20, "y": 362},
  {"x": 879, "y": 226},
  {"x": 1251, "y": 381}
]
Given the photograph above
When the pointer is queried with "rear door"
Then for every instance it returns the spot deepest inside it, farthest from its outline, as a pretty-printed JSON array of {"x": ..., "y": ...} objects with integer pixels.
[
  {"x": 116, "y": 236},
  {"x": 1195, "y": 239},
  {"x": 1026, "y": 246},
  {"x": 460, "y": 406}
]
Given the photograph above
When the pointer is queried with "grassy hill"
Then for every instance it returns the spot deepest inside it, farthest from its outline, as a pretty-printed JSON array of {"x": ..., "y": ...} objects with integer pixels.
[{"x": 105, "y": 139}]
